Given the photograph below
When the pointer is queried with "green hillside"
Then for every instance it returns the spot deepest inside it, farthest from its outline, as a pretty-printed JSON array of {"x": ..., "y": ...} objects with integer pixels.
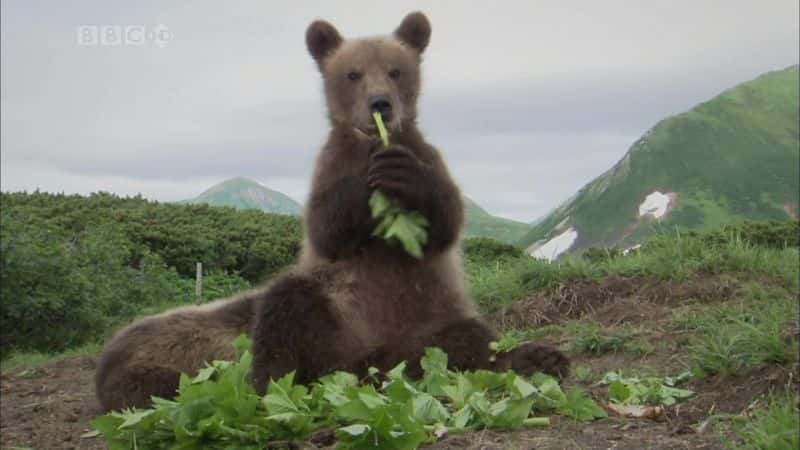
[
  {"x": 244, "y": 193},
  {"x": 72, "y": 267},
  {"x": 731, "y": 158},
  {"x": 480, "y": 223}
]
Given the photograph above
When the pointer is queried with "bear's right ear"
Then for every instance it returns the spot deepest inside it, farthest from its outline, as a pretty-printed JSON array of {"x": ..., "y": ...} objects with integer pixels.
[{"x": 322, "y": 39}]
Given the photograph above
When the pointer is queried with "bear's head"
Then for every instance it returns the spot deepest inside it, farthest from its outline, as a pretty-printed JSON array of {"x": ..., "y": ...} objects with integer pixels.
[{"x": 365, "y": 75}]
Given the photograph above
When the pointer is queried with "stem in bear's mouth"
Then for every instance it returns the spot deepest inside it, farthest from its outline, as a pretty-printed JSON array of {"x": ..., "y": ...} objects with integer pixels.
[
  {"x": 381, "y": 128},
  {"x": 395, "y": 224}
]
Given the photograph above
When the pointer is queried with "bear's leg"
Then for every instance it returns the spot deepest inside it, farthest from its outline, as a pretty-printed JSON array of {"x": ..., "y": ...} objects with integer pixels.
[
  {"x": 132, "y": 387},
  {"x": 294, "y": 329},
  {"x": 466, "y": 343}
]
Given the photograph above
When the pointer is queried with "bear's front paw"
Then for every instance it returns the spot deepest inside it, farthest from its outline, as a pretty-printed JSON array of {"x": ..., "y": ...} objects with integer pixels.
[
  {"x": 398, "y": 173},
  {"x": 531, "y": 358}
]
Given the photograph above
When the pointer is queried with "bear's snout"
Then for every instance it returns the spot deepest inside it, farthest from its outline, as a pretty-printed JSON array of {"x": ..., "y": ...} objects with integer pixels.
[{"x": 381, "y": 104}]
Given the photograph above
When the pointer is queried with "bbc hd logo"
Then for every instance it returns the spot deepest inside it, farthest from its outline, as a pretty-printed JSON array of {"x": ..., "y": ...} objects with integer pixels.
[{"x": 123, "y": 35}]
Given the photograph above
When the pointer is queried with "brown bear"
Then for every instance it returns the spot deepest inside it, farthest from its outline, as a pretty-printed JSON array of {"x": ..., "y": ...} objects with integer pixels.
[{"x": 353, "y": 301}]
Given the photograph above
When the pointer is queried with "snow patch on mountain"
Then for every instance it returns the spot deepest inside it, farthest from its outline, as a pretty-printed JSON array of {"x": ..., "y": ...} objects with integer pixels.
[
  {"x": 556, "y": 246},
  {"x": 656, "y": 204}
]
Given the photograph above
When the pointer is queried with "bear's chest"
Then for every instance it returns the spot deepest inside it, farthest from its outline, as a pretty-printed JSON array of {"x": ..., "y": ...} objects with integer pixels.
[{"x": 382, "y": 303}]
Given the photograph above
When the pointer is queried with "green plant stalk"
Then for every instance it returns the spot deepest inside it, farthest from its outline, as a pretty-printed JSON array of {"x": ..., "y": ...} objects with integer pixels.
[
  {"x": 536, "y": 422},
  {"x": 395, "y": 224}
]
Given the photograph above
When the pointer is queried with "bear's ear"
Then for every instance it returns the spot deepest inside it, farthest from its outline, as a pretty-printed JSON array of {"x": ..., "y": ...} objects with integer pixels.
[
  {"x": 415, "y": 30},
  {"x": 322, "y": 39}
]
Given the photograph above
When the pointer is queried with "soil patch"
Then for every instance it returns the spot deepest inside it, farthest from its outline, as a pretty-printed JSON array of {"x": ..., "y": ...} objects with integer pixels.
[
  {"x": 611, "y": 301},
  {"x": 49, "y": 407}
]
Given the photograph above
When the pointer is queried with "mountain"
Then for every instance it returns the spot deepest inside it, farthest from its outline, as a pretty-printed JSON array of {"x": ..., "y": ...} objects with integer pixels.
[
  {"x": 734, "y": 157},
  {"x": 244, "y": 193},
  {"x": 481, "y": 223}
]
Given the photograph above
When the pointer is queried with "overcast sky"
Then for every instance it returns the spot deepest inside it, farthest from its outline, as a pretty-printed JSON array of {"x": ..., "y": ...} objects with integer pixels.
[{"x": 528, "y": 100}]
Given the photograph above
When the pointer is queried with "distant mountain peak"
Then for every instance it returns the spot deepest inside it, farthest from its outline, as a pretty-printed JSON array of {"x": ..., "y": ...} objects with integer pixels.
[
  {"x": 730, "y": 158},
  {"x": 245, "y": 193}
]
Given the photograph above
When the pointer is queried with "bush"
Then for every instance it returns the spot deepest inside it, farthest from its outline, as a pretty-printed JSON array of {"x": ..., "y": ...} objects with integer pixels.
[
  {"x": 72, "y": 267},
  {"x": 61, "y": 290},
  {"x": 484, "y": 250},
  {"x": 599, "y": 254},
  {"x": 249, "y": 243},
  {"x": 763, "y": 234}
]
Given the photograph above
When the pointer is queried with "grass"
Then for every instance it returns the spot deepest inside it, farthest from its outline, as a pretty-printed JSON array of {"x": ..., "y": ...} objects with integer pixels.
[
  {"x": 729, "y": 338},
  {"x": 776, "y": 426},
  {"x": 666, "y": 257},
  {"x": 32, "y": 359},
  {"x": 592, "y": 338},
  {"x": 28, "y": 359}
]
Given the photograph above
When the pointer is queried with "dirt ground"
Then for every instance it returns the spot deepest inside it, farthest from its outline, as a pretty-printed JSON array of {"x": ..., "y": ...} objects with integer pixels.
[{"x": 50, "y": 407}]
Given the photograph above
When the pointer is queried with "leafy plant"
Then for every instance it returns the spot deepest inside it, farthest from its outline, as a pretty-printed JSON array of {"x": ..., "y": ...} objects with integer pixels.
[
  {"x": 408, "y": 228},
  {"x": 656, "y": 391},
  {"x": 217, "y": 408},
  {"x": 505, "y": 344}
]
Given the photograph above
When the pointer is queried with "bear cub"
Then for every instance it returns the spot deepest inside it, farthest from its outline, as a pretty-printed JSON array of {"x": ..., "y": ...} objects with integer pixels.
[{"x": 352, "y": 301}]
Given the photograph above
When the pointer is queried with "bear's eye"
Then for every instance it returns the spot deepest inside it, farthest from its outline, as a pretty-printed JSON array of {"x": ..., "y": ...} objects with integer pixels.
[
  {"x": 354, "y": 75},
  {"x": 394, "y": 73}
]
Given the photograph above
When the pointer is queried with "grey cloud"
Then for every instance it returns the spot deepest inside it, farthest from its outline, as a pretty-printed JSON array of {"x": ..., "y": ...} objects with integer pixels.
[{"x": 527, "y": 103}]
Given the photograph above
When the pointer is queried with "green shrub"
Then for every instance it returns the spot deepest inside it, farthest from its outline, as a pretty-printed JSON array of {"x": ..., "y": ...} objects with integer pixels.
[
  {"x": 249, "y": 243},
  {"x": 73, "y": 267},
  {"x": 599, "y": 254},
  {"x": 763, "y": 234},
  {"x": 481, "y": 250},
  {"x": 61, "y": 290}
]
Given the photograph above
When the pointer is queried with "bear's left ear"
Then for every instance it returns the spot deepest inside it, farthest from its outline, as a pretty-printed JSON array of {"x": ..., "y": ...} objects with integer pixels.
[{"x": 415, "y": 31}]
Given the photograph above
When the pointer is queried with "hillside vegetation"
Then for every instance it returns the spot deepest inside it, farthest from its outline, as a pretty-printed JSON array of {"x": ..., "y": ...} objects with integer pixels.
[
  {"x": 732, "y": 158},
  {"x": 73, "y": 266},
  {"x": 479, "y": 223},
  {"x": 243, "y": 193}
]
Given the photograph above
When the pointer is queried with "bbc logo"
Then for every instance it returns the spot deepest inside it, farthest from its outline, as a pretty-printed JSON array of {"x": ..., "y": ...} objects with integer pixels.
[{"x": 123, "y": 35}]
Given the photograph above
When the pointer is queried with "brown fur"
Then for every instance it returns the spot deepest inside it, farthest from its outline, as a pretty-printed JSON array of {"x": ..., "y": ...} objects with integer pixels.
[
  {"x": 147, "y": 357},
  {"x": 352, "y": 301}
]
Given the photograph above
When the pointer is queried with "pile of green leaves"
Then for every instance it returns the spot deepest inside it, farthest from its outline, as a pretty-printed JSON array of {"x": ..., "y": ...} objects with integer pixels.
[
  {"x": 395, "y": 224},
  {"x": 219, "y": 409},
  {"x": 653, "y": 391}
]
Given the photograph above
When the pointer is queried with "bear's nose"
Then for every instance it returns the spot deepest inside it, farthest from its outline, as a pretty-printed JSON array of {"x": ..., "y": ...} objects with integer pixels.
[{"x": 381, "y": 104}]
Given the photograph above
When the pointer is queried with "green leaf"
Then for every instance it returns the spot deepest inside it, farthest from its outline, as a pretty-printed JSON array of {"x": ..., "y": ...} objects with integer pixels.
[
  {"x": 395, "y": 224},
  {"x": 204, "y": 374},
  {"x": 519, "y": 387},
  {"x": 429, "y": 410},
  {"x": 580, "y": 407},
  {"x": 618, "y": 392},
  {"x": 355, "y": 430},
  {"x": 134, "y": 417},
  {"x": 505, "y": 344},
  {"x": 242, "y": 344},
  {"x": 646, "y": 391}
]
